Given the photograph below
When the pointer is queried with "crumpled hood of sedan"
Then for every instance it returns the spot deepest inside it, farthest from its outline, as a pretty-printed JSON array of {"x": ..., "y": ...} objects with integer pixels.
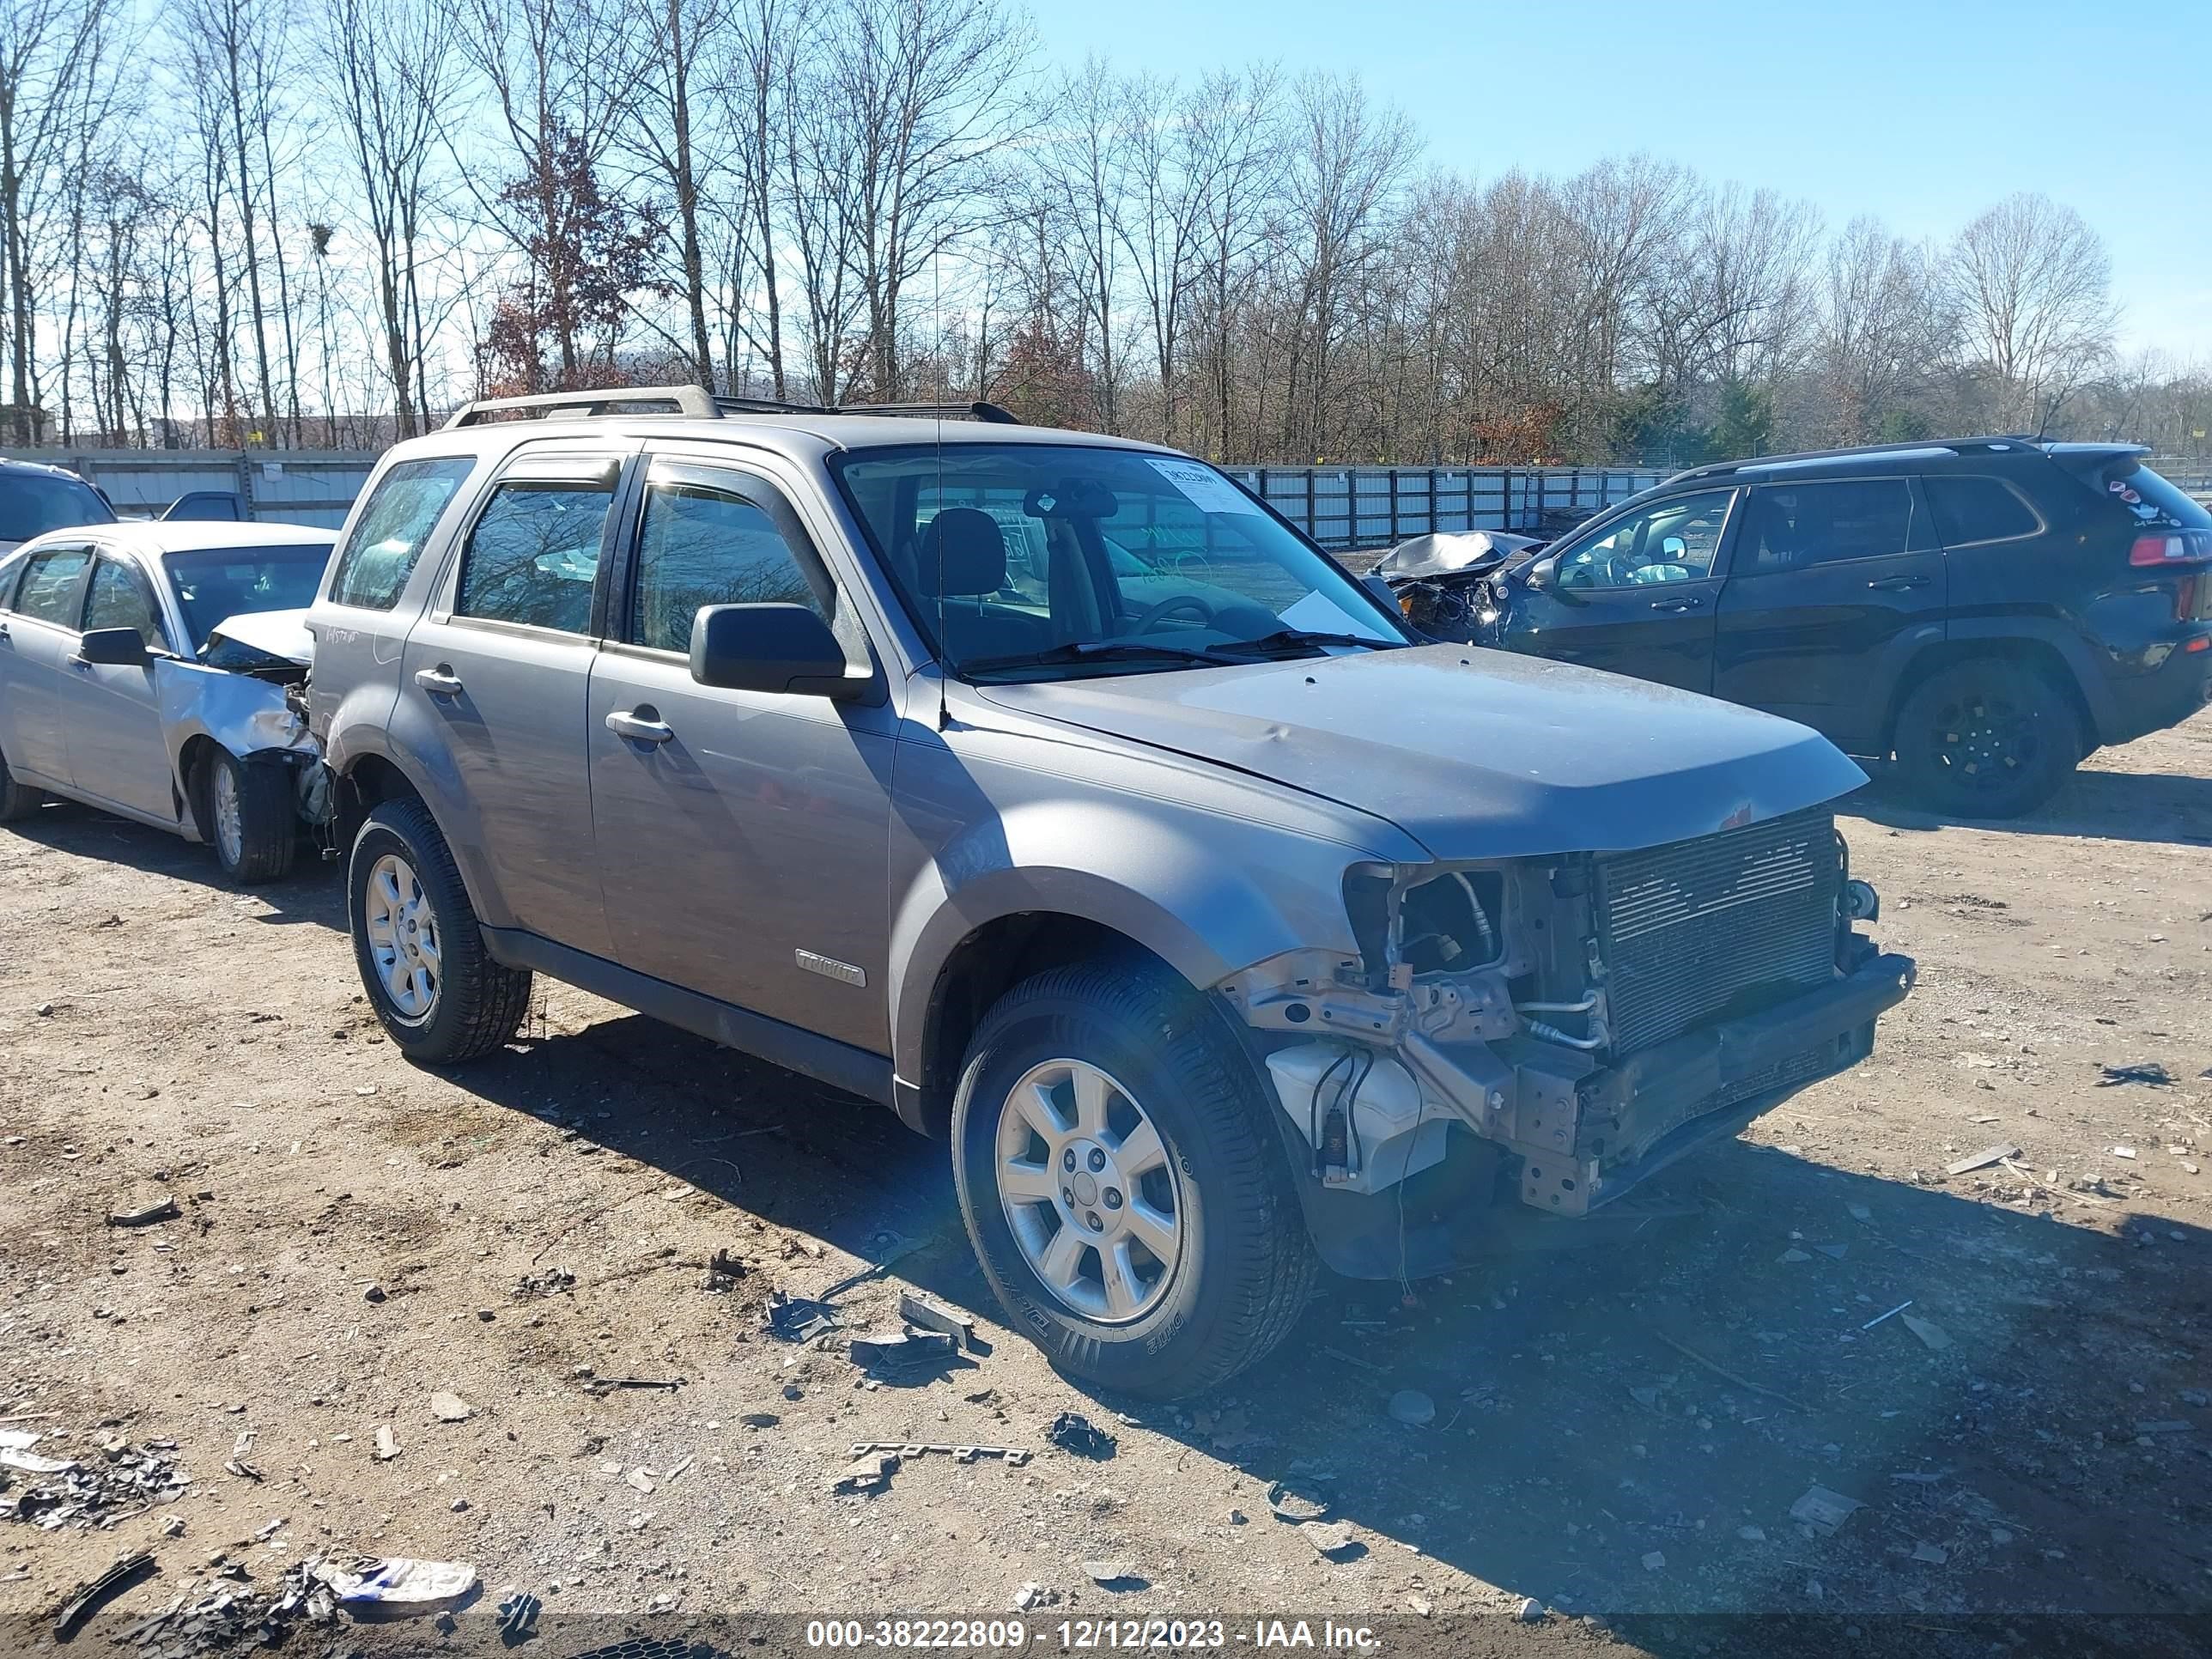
[{"x": 1476, "y": 754}]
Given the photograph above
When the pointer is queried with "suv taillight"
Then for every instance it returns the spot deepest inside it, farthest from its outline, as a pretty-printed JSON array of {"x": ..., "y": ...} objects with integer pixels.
[{"x": 2172, "y": 547}]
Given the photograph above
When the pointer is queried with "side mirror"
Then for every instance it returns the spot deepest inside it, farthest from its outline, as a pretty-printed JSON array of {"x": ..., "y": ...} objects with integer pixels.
[
  {"x": 770, "y": 648},
  {"x": 1384, "y": 595},
  {"x": 117, "y": 647},
  {"x": 1540, "y": 575}
]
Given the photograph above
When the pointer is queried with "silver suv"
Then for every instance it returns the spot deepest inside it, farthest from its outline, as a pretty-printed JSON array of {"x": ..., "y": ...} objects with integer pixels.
[{"x": 1052, "y": 791}]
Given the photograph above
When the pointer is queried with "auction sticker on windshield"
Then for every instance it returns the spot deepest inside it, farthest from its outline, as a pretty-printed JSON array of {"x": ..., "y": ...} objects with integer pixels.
[{"x": 1203, "y": 488}]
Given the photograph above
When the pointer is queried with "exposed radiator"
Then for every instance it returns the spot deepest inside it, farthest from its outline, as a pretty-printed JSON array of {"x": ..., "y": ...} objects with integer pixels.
[{"x": 1724, "y": 923}]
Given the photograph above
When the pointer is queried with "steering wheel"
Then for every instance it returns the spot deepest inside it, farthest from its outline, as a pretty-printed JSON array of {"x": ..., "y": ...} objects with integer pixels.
[{"x": 1180, "y": 602}]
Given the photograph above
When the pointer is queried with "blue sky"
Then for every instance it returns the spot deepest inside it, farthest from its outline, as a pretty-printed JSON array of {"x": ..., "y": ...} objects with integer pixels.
[{"x": 1923, "y": 114}]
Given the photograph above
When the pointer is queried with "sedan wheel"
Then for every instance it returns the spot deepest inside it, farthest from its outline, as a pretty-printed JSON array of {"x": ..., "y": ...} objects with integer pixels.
[
  {"x": 402, "y": 929},
  {"x": 229, "y": 816}
]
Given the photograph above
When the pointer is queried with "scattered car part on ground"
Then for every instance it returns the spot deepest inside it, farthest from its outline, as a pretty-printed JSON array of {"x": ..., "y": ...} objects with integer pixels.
[
  {"x": 157, "y": 671},
  {"x": 1077, "y": 816},
  {"x": 1980, "y": 613}
]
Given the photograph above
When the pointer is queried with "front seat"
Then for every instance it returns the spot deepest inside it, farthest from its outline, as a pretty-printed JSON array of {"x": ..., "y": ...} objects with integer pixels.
[{"x": 961, "y": 563}]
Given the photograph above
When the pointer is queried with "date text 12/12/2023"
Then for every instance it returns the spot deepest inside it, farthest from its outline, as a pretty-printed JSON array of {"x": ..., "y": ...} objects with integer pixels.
[{"x": 1092, "y": 1635}]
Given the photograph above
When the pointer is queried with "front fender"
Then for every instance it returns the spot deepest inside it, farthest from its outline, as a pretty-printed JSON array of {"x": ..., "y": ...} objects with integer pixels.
[
  {"x": 1207, "y": 896},
  {"x": 378, "y": 723}
]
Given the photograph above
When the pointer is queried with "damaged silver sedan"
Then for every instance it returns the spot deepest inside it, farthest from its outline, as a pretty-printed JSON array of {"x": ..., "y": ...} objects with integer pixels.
[{"x": 156, "y": 671}]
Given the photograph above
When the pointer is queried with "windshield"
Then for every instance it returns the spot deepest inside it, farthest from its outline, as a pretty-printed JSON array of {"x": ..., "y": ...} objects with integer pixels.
[
  {"x": 32, "y": 503},
  {"x": 216, "y": 582},
  {"x": 1023, "y": 560}
]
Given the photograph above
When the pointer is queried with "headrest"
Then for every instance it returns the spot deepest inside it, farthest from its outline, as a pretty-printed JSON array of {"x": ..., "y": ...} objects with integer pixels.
[{"x": 963, "y": 551}]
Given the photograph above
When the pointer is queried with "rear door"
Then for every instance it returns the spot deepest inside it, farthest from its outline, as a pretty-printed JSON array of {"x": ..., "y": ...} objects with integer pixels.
[
  {"x": 116, "y": 752},
  {"x": 38, "y": 643},
  {"x": 744, "y": 835},
  {"x": 497, "y": 671},
  {"x": 1636, "y": 596},
  {"x": 1833, "y": 584}
]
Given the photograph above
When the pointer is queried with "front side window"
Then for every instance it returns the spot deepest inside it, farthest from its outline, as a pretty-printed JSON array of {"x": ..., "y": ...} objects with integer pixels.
[
  {"x": 1675, "y": 540},
  {"x": 387, "y": 540},
  {"x": 50, "y": 586},
  {"x": 701, "y": 544},
  {"x": 32, "y": 503},
  {"x": 1028, "y": 560},
  {"x": 1793, "y": 526},
  {"x": 534, "y": 554},
  {"x": 117, "y": 598},
  {"x": 215, "y": 582}
]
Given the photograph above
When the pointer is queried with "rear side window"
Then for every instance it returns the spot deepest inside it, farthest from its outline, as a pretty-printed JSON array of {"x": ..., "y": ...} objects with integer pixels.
[
  {"x": 534, "y": 554},
  {"x": 701, "y": 546},
  {"x": 1970, "y": 510},
  {"x": 1795, "y": 526},
  {"x": 387, "y": 540},
  {"x": 50, "y": 586}
]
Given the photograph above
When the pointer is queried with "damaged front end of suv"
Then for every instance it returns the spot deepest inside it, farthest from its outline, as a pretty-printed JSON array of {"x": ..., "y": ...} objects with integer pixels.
[{"x": 1557, "y": 1028}]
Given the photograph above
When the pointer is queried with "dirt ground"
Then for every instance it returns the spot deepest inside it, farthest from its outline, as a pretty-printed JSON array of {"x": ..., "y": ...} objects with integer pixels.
[{"x": 1621, "y": 1435}]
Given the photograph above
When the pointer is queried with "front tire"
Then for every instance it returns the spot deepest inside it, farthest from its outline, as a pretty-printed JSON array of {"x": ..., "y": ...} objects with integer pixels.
[
  {"x": 1121, "y": 1183},
  {"x": 440, "y": 996},
  {"x": 1986, "y": 740},
  {"x": 250, "y": 819}
]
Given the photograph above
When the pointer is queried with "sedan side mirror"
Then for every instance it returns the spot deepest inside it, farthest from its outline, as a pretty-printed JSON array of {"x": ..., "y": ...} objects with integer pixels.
[
  {"x": 770, "y": 648},
  {"x": 1539, "y": 573},
  {"x": 117, "y": 647}
]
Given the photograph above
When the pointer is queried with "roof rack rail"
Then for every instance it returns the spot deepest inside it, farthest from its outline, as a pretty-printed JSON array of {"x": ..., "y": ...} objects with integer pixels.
[
  {"x": 1722, "y": 469},
  {"x": 696, "y": 403},
  {"x": 689, "y": 400},
  {"x": 991, "y": 414}
]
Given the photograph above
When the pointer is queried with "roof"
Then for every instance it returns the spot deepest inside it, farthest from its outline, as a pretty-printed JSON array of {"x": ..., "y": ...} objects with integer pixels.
[
  {"x": 9, "y": 463},
  {"x": 695, "y": 413},
  {"x": 1925, "y": 449},
  {"x": 151, "y": 537}
]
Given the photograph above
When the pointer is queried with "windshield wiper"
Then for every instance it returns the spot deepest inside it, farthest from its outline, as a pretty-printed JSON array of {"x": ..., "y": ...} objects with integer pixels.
[
  {"x": 1080, "y": 651},
  {"x": 1290, "y": 639}
]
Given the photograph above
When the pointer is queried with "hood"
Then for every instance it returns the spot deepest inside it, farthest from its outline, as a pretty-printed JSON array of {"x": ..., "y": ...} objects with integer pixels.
[
  {"x": 256, "y": 638},
  {"x": 1476, "y": 754},
  {"x": 1458, "y": 553}
]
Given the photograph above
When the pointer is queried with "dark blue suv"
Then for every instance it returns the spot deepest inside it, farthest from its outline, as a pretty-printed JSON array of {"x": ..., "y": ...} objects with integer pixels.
[{"x": 1981, "y": 612}]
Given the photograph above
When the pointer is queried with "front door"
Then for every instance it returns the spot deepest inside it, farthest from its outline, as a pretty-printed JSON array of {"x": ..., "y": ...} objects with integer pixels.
[
  {"x": 38, "y": 645},
  {"x": 1832, "y": 585},
  {"x": 117, "y": 754},
  {"x": 496, "y": 673},
  {"x": 743, "y": 835},
  {"x": 1636, "y": 598}
]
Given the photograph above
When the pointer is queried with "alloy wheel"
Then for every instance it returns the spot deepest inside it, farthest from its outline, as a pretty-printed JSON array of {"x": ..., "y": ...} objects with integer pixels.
[
  {"x": 402, "y": 929},
  {"x": 1094, "y": 1202}
]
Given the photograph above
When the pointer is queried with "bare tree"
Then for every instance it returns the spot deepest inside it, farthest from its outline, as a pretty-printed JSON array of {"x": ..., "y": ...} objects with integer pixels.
[{"x": 2033, "y": 288}]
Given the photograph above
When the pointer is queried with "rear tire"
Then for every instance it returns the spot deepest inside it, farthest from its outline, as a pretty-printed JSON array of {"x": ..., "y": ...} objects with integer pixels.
[
  {"x": 17, "y": 801},
  {"x": 440, "y": 996},
  {"x": 250, "y": 819},
  {"x": 1212, "y": 1190},
  {"x": 1986, "y": 738}
]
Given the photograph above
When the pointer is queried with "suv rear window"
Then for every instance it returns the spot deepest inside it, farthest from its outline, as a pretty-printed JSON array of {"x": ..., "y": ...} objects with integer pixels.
[
  {"x": 32, "y": 503},
  {"x": 387, "y": 538},
  {"x": 1970, "y": 510},
  {"x": 2149, "y": 499}
]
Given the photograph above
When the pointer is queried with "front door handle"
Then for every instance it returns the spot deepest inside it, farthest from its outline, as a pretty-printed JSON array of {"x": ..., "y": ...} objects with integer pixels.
[
  {"x": 1690, "y": 603},
  {"x": 640, "y": 726},
  {"x": 438, "y": 681},
  {"x": 1896, "y": 584}
]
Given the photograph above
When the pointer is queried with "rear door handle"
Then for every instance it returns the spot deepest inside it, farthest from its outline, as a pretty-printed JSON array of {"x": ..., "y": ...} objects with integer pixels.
[
  {"x": 1896, "y": 584},
  {"x": 1688, "y": 604},
  {"x": 638, "y": 726},
  {"x": 438, "y": 681}
]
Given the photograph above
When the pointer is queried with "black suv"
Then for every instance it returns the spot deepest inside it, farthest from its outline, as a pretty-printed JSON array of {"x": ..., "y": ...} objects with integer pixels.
[{"x": 1982, "y": 612}]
